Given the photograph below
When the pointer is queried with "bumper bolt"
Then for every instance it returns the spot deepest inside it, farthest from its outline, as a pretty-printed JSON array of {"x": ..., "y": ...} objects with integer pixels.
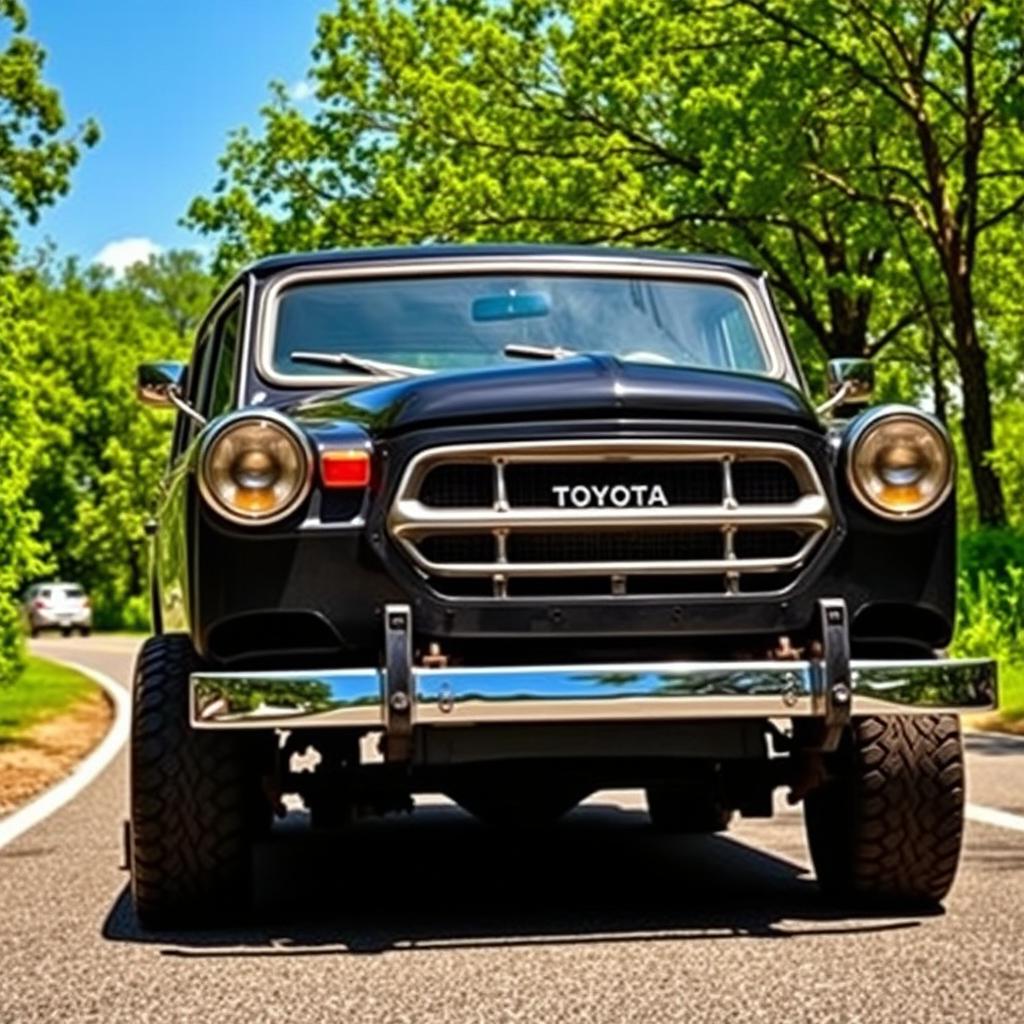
[
  {"x": 841, "y": 693},
  {"x": 399, "y": 702}
]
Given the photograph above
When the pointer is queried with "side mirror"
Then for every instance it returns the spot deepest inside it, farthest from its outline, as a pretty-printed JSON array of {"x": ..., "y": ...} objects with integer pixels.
[
  {"x": 162, "y": 385},
  {"x": 857, "y": 376},
  {"x": 850, "y": 382},
  {"x": 156, "y": 382}
]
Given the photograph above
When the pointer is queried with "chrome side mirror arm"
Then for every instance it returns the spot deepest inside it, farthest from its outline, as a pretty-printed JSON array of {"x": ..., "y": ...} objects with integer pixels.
[
  {"x": 850, "y": 382},
  {"x": 175, "y": 398},
  {"x": 161, "y": 385}
]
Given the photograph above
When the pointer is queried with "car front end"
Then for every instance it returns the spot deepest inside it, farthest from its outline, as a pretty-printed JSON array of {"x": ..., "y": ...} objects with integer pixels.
[{"x": 563, "y": 561}]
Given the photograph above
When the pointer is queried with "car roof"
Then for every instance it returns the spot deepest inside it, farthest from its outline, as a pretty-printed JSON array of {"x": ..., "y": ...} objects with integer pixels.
[{"x": 272, "y": 265}]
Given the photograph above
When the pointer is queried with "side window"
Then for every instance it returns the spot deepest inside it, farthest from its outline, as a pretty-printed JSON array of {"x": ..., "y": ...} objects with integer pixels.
[{"x": 219, "y": 390}]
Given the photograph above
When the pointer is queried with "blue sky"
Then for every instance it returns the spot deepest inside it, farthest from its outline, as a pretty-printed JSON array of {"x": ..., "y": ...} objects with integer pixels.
[{"x": 166, "y": 81}]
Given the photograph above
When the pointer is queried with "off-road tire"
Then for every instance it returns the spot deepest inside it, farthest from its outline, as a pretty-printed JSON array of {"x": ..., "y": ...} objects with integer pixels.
[
  {"x": 888, "y": 825},
  {"x": 674, "y": 810},
  {"x": 84, "y": 630},
  {"x": 196, "y": 800}
]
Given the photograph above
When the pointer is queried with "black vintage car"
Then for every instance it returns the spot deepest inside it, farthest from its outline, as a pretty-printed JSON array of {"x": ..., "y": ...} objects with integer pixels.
[{"x": 541, "y": 521}]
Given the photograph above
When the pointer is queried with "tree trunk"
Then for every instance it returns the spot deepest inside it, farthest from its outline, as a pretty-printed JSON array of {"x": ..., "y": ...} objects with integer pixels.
[
  {"x": 978, "y": 435},
  {"x": 971, "y": 361},
  {"x": 848, "y": 334},
  {"x": 939, "y": 394}
]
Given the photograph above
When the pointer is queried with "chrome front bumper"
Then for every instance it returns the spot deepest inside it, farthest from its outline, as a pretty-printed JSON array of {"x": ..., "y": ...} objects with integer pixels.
[{"x": 582, "y": 693}]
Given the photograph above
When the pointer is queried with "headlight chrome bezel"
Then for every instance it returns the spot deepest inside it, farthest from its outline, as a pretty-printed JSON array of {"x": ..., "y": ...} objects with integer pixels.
[
  {"x": 235, "y": 421},
  {"x": 863, "y": 427}
]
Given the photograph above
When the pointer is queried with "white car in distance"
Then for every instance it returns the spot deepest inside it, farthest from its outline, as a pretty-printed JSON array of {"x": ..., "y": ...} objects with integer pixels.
[{"x": 63, "y": 606}]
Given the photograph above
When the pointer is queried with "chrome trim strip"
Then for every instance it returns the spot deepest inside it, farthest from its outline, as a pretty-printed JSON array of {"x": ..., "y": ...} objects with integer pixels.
[
  {"x": 634, "y": 691},
  {"x": 410, "y": 520},
  {"x": 781, "y": 366}
]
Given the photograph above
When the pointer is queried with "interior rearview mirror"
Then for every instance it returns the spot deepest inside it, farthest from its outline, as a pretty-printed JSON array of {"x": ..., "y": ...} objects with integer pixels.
[{"x": 515, "y": 306}]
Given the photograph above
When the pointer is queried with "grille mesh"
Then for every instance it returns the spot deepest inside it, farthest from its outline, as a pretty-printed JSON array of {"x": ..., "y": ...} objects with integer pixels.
[
  {"x": 767, "y": 543},
  {"x": 764, "y": 483},
  {"x": 606, "y": 546},
  {"x": 459, "y": 484},
  {"x": 460, "y": 548}
]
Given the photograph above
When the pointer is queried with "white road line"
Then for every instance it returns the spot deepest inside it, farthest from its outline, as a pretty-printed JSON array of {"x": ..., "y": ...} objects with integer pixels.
[
  {"x": 87, "y": 770},
  {"x": 994, "y": 816}
]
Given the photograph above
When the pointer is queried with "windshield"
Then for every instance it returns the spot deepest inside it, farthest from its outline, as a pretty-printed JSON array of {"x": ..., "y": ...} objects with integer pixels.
[{"x": 467, "y": 322}]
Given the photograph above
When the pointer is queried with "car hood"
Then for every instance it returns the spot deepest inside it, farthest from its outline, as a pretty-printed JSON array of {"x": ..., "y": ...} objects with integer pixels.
[{"x": 587, "y": 386}]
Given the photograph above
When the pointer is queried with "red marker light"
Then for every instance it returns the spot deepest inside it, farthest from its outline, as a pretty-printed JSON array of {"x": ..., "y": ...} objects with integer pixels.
[{"x": 345, "y": 468}]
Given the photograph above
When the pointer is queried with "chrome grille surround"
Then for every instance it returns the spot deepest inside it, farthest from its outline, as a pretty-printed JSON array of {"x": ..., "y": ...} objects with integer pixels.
[{"x": 411, "y": 521}]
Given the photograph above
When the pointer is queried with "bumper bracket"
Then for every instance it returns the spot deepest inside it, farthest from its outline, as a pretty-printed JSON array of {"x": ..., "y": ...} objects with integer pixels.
[
  {"x": 399, "y": 682},
  {"x": 835, "y": 675}
]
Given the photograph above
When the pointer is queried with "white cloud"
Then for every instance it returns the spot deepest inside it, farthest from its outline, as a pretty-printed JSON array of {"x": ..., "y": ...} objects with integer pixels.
[
  {"x": 301, "y": 90},
  {"x": 122, "y": 253}
]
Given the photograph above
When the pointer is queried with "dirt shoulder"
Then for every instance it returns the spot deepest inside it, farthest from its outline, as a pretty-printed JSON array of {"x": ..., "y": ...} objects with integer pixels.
[
  {"x": 45, "y": 752},
  {"x": 993, "y": 721}
]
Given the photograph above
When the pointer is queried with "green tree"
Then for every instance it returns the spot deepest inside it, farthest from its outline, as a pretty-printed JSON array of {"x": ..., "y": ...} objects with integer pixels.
[
  {"x": 940, "y": 87},
  {"x": 174, "y": 287},
  {"x": 578, "y": 121},
  {"x": 864, "y": 153},
  {"x": 37, "y": 156},
  {"x": 104, "y": 454},
  {"x": 20, "y": 446}
]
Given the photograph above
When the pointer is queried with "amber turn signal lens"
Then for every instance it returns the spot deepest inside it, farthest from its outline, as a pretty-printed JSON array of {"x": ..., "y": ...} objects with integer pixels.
[{"x": 350, "y": 468}]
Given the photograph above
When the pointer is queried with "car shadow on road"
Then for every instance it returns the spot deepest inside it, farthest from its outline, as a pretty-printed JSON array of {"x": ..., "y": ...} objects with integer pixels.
[{"x": 440, "y": 880}]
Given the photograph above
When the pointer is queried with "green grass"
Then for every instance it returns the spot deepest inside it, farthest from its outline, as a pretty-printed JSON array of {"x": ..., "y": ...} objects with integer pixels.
[
  {"x": 1011, "y": 690},
  {"x": 42, "y": 690}
]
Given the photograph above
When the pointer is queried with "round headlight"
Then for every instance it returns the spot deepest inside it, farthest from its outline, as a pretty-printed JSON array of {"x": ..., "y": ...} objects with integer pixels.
[
  {"x": 900, "y": 464},
  {"x": 255, "y": 469}
]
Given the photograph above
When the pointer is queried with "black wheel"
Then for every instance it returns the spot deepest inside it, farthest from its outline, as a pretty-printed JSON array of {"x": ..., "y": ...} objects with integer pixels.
[
  {"x": 889, "y": 824},
  {"x": 514, "y": 802},
  {"x": 682, "y": 810},
  {"x": 65, "y": 632},
  {"x": 34, "y": 632},
  {"x": 84, "y": 631},
  {"x": 196, "y": 799}
]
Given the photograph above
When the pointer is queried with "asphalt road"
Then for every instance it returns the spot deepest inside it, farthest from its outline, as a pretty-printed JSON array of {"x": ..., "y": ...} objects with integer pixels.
[{"x": 432, "y": 918}]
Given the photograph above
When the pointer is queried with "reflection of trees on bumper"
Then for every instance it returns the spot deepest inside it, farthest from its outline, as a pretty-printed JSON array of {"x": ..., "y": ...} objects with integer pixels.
[
  {"x": 731, "y": 681},
  {"x": 241, "y": 694}
]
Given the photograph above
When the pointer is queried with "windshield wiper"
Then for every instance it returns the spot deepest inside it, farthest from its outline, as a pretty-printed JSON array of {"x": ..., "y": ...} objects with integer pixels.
[
  {"x": 392, "y": 371},
  {"x": 539, "y": 351}
]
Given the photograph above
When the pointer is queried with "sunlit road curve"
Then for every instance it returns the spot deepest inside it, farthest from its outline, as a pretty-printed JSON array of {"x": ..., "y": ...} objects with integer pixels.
[{"x": 433, "y": 918}]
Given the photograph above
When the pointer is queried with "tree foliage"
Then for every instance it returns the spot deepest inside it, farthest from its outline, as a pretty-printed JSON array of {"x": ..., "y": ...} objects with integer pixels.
[
  {"x": 20, "y": 447},
  {"x": 36, "y": 159},
  {"x": 867, "y": 154},
  {"x": 37, "y": 154},
  {"x": 105, "y": 453}
]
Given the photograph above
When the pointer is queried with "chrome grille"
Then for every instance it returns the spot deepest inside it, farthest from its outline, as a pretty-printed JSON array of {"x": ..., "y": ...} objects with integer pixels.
[{"x": 528, "y": 518}]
